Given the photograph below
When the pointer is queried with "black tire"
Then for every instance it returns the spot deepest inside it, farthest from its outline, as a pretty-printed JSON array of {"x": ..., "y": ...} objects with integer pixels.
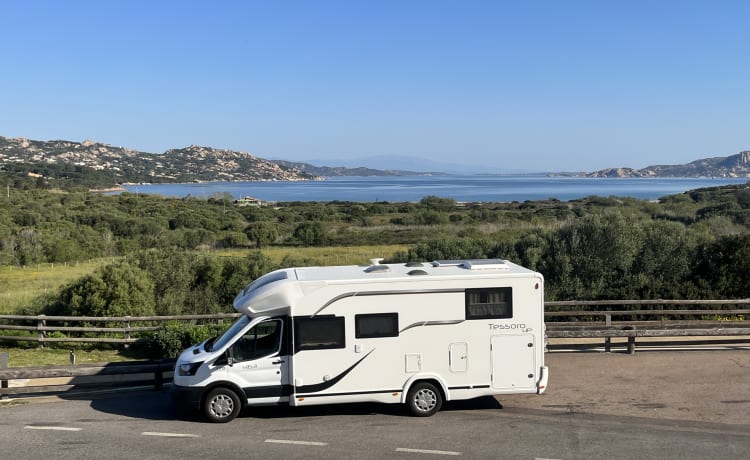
[
  {"x": 424, "y": 399},
  {"x": 221, "y": 405}
]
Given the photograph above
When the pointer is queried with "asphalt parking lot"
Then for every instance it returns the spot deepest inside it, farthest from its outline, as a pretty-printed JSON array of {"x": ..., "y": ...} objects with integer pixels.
[{"x": 694, "y": 385}]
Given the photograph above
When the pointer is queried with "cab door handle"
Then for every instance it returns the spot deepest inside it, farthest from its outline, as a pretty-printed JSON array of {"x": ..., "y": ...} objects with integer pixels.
[{"x": 278, "y": 362}]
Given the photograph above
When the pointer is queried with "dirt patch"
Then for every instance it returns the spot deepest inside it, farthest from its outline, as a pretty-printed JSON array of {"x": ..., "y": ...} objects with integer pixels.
[{"x": 710, "y": 386}]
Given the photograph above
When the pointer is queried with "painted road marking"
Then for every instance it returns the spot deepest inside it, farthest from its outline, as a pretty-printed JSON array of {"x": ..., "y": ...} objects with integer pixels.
[
  {"x": 426, "y": 451},
  {"x": 301, "y": 443},
  {"x": 52, "y": 428},
  {"x": 170, "y": 435}
]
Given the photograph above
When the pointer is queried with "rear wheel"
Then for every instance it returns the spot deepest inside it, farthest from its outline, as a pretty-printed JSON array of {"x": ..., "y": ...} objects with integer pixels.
[
  {"x": 424, "y": 399},
  {"x": 221, "y": 405}
]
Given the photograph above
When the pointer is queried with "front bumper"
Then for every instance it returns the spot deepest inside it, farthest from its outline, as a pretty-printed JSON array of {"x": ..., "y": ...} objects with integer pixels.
[{"x": 187, "y": 397}]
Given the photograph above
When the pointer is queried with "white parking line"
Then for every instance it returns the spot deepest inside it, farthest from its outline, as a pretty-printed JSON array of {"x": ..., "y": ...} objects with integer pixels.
[
  {"x": 426, "y": 451},
  {"x": 301, "y": 443},
  {"x": 170, "y": 435},
  {"x": 52, "y": 428}
]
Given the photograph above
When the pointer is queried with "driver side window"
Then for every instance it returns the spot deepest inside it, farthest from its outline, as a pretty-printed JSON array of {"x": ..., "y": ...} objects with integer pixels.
[{"x": 262, "y": 340}]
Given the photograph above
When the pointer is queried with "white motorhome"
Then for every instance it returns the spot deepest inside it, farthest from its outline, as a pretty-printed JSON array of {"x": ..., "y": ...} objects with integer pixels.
[{"x": 414, "y": 333}]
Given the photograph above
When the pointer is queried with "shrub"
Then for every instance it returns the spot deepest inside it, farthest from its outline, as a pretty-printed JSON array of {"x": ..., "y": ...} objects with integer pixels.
[{"x": 170, "y": 340}]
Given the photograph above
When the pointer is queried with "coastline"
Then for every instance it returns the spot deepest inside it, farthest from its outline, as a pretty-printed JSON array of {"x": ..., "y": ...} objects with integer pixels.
[{"x": 463, "y": 188}]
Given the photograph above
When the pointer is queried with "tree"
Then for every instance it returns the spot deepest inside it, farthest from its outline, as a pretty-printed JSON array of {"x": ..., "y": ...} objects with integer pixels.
[
  {"x": 262, "y": 232},
  {"x": 311, "y": 233},
  {"x": 117, "y": 290},
  {"x": 722, "y": 268},
  {"x": 593, "y": 257}
]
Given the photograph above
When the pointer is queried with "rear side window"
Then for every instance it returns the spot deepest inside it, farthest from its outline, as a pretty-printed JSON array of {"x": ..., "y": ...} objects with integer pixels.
[
  {"x": 489, "y": 303},
  {"x": 318, "y": 333},
  {"x": 376, "y": 325}
]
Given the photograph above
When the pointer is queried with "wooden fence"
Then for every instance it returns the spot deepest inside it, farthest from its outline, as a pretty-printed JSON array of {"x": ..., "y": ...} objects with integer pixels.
[
  {"x": 93, "y": 329},
  {"x": 631, "y": 319},
  {"x": 564, "y": 319},
  {"x": 647, "y": 319}
]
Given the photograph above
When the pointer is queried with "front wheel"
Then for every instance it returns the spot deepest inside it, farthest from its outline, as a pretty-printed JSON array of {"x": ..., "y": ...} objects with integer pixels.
[
  {"x": 221, "y": 405},
  {"x": 424, "y": 399}
]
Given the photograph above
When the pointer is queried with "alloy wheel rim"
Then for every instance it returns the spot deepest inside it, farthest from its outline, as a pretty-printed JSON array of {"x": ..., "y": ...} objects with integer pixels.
[
  {"x": 222, "y": 406},
  {"x": 425, "y": 400}
]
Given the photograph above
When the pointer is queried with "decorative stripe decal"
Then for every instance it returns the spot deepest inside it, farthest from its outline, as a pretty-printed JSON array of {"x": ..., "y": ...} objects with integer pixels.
[
  {"x": 329, "y": 383},
  {"x": 373, "y": 392},
  {"x": 432, "y": 323},
  {"x": 469, "y": 387},
  {"x": 373, "y": 293}
]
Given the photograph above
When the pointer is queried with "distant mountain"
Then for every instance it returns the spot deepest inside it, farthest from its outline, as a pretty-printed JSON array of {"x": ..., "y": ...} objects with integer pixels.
[
  {"x": 189, "y": 164},
  {"x": 344, "y": 171},
  {"x": 410, "y": 164},
  {"x": 732, "y": 166}
]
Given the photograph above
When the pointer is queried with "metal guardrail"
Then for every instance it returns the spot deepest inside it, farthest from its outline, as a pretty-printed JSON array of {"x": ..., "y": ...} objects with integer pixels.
[{"x": 85, "y": 377}]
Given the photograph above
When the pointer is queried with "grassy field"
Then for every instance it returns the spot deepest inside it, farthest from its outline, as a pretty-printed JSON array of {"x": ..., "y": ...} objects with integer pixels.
[
  {"x": 25, "y": 357},
  {"x": 19, "y": 286},
  {"x": 349, "y": 255}
]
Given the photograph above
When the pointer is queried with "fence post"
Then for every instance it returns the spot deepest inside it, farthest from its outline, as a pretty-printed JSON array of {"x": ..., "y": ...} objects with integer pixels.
[
  {"x": 631, "y": 344},
  {"x": 42, "y": 334},
  {"x": 608, "y": 340},
  {"x": 126, "y": 334},
  {"x": 661, "y": 308},
  {"x": 3, "y": 365}
]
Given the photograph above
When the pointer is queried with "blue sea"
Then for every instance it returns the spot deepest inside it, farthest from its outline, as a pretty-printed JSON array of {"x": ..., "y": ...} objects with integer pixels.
[{"x": 478, "y": 188}]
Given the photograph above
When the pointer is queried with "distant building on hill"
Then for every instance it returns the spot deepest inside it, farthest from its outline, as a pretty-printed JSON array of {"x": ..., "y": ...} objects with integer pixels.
[{"x": 248, "y": 201}]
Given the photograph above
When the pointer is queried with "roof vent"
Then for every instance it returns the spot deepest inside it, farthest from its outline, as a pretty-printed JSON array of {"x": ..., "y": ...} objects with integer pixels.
[
  {"x": 414, "y": 264},
  {"x": 448, "y": 263},
  {"x": 416, "y": 272},
  {"x": 378, "y": 269},
  {"x": 485, "y": 264}
]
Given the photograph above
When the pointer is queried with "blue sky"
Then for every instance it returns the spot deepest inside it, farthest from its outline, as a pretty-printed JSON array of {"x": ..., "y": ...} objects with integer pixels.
[{"x": 533, "y": 85}]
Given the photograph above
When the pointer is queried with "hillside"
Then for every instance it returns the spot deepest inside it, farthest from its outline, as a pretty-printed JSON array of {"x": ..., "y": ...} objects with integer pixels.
[
  {"x": 732, "y": 166},
  {"x": 344, "y": 171},
  {"x": 189, "y": 164}
]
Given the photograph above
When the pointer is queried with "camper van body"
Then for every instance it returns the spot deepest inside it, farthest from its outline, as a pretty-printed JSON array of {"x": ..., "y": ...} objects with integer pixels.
[{"x": 418, "y": 334}]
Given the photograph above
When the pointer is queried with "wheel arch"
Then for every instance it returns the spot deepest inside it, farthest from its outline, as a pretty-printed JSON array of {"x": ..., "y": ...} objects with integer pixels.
[
  {"x": 434, "y": 379},
  {"x": 224, "y": 384}
]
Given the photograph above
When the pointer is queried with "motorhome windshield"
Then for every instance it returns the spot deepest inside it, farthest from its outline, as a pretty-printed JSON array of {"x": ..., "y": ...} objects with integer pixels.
[{"x": 222, "y": 341}]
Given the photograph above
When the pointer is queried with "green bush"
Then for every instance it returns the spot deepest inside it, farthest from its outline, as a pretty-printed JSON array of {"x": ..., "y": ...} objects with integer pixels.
[{"x": 170, "y": 340}]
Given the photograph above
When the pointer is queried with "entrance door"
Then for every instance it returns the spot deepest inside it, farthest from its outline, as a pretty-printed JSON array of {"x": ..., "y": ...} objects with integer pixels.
[
  {"x": 258, "y": 365},
  {"x": 513, "y": 362}
]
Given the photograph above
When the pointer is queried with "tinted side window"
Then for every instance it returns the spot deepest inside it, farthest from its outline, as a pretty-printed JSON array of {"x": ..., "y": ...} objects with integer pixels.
[
  {"x": 488, "y": 303},
  {"x": 262, "y": 340},
  {"x": 376, "y": 325},
  {"x": 318, "y": 333}
]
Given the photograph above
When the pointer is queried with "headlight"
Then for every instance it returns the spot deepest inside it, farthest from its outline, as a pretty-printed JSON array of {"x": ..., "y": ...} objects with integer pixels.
[{"x": 188, "y": 369}]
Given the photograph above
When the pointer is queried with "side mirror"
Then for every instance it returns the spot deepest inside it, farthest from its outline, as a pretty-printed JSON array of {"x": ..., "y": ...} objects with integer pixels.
[{"x": 225, "y": 359}]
